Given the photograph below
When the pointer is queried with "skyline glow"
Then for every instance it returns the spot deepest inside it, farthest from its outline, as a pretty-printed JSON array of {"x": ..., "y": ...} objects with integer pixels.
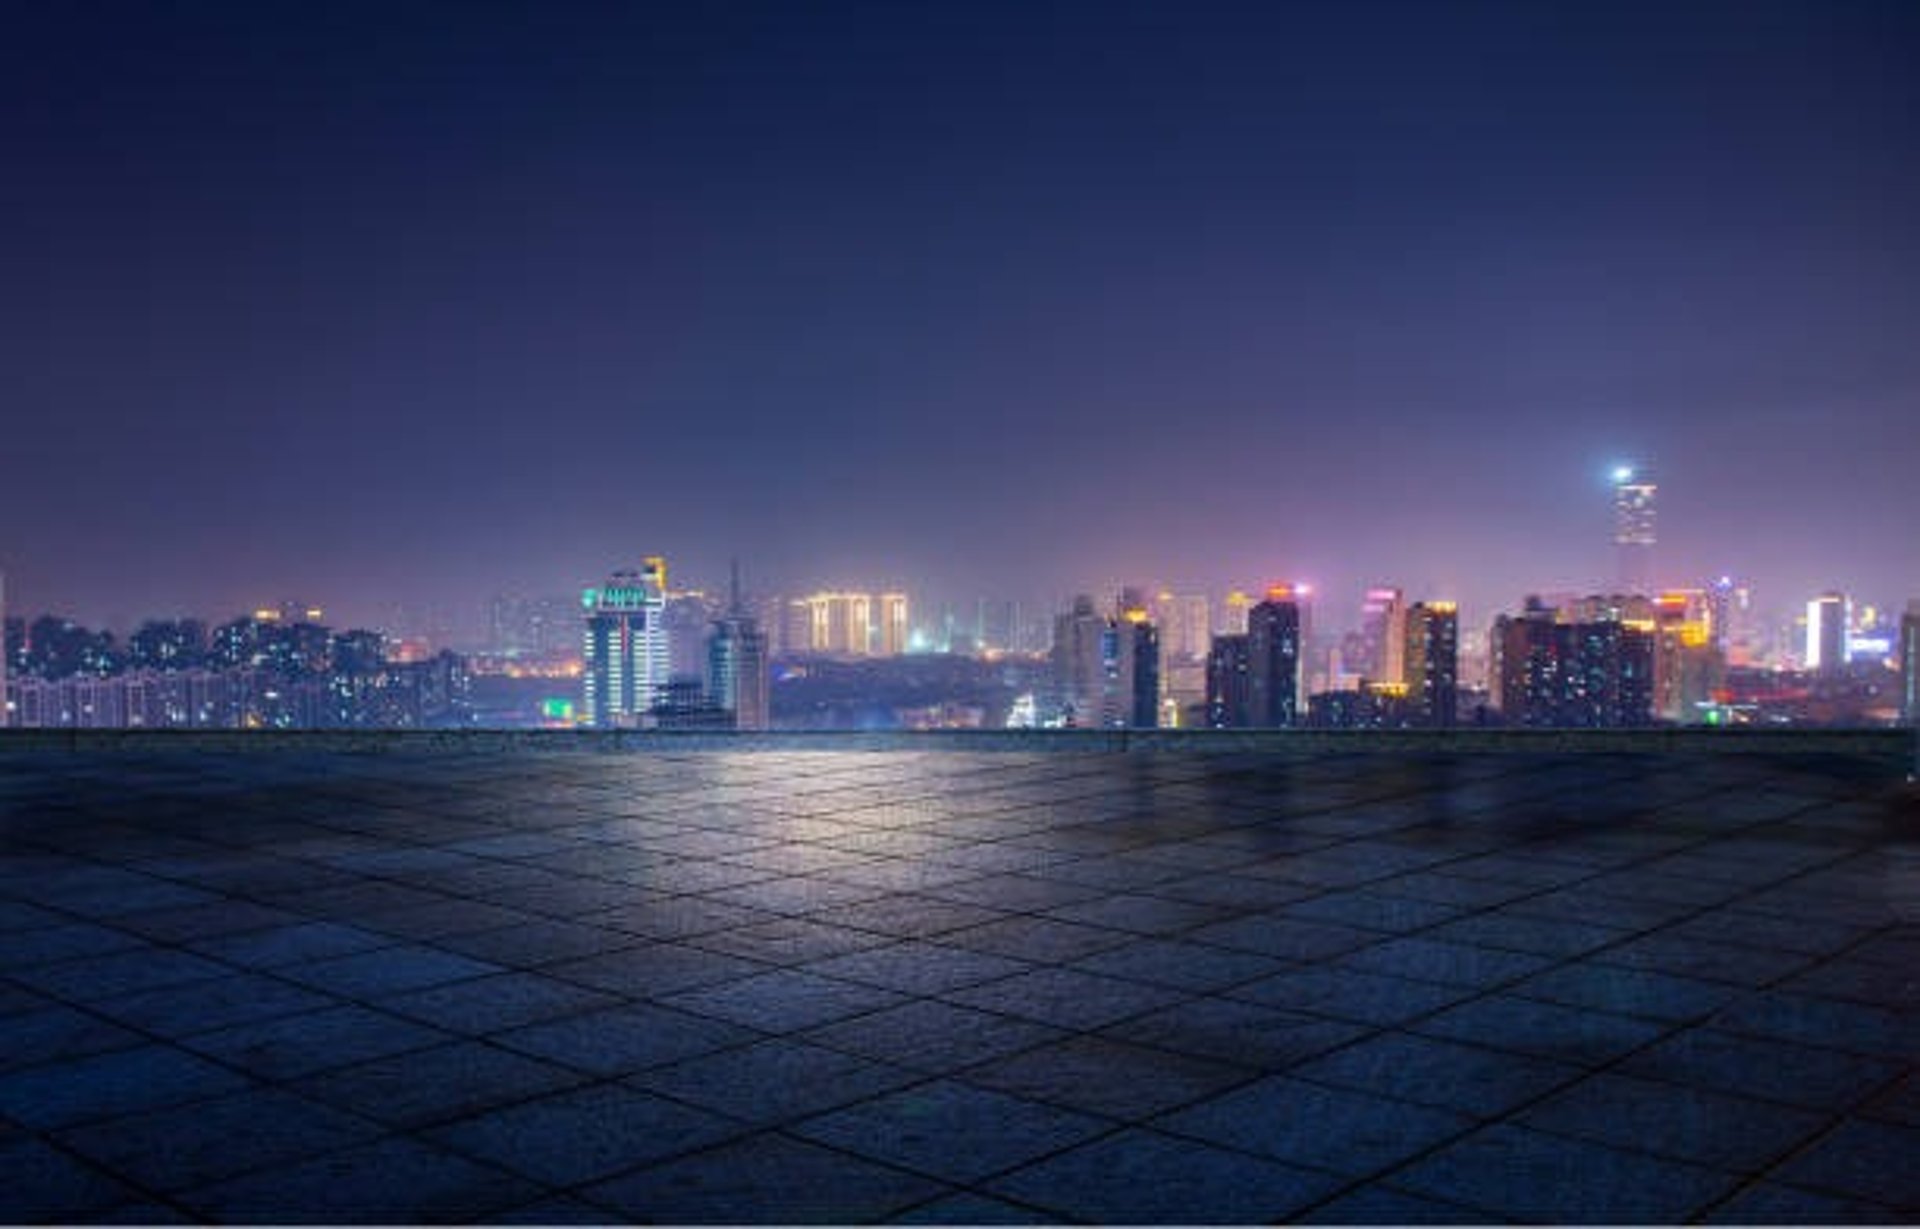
[{"x": 397, "y": 304}]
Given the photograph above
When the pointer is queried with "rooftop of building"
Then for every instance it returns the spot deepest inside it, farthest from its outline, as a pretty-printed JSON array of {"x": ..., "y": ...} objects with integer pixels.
[{"x": 1028, "y": 978}]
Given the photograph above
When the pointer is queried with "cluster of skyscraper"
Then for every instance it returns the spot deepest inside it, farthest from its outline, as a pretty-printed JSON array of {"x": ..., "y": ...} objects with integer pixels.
[
  {"x": 656, "y": 658},
  {"x": 627, "y": 678},
  {"x": 1634, "y": 657},
  {"x": 1108, "y": 667}
]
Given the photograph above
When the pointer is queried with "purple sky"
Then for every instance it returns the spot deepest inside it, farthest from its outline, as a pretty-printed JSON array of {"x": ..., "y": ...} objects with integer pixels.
[{"x": 367, "y": 303}]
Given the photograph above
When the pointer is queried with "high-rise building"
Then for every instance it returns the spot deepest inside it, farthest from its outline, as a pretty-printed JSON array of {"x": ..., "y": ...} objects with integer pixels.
[
  {"x": 1233, "y": 615},
  {"x": 1558, "y": 668},
  {"x": 893, "y": 629},
  {"x": 4, "y": 654},
  {"x": 1431, "y": 641},
  {"x": 1273, "y": 656},
  {"x": 1076, "y": 657},
  {"x": 1688, "y": 666},
  {"x": 1184, "y": 627},
  {"x": 737, "y": 679},
  {"x": 1633, "y": 529},
  {"x": 1828, "y": 617},
  {"x": 167, "y": 644},
  {"x": 1722, "y": 597},
  {"x": 627, "y": 658},
  {"x": 1130, "y": 669},
  {"x": 689, "y": 613},
  {"x": 1183, "y": 620},
  {"x": 1106, "y": 669},
  {"x": 848, "y": 624},
  {"x": 1379, "y": 652},
  {"x": 840, "y": 623},
  {"x": 1229, "y": 683},
  {"x": 1910, "y": 664}
]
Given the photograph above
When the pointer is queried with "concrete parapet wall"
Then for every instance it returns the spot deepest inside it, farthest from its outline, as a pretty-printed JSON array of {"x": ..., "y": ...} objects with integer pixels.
[{"x": 1890, "y": 743}]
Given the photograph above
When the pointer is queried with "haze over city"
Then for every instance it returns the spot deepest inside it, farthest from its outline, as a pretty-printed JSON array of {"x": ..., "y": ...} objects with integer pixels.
[{"x": 374, "y": 304}]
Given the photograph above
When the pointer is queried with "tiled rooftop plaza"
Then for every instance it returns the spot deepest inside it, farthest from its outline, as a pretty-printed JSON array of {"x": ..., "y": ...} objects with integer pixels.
[{"x": 939, "y": 985}]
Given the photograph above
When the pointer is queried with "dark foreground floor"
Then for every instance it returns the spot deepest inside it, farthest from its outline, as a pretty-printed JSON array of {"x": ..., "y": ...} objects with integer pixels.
[{"x": 942, "y": 986}]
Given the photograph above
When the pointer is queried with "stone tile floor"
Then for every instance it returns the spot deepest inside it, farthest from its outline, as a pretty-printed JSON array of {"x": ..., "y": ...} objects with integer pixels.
[{"x": 957, "y": 987}]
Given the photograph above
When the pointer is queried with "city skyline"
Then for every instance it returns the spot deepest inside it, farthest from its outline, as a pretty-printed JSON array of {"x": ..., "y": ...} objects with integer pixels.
[
  {"x": 368, "y": 303},
  {"x": 473, "y": 625}
]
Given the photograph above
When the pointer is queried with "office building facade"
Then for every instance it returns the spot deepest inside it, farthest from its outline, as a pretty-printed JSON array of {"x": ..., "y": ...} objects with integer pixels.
[
  {"x": 1634, "y": 530},
  {"x": 626, "y": 656},
  {"x": 1430, "y": 655},
  {"x": 1554, "y": 671},
  {"x": 1274, "y": 633}
]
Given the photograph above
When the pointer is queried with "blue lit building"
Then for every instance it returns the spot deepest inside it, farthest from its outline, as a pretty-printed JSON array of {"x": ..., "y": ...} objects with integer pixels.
[{"x": 626, "y": 655}]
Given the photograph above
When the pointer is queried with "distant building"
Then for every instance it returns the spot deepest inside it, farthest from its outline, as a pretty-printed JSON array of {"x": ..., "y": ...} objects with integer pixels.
[
  {"x": 689, "y": 613},
  {"x": 737, "y": 661},
  {"x": 1634, "y": 533},
  {"x": 1551, "y": 670},
  {"x": 1378, "y": 651},
  {"x": 683, "y": 704},
  {"x": 1233, "y": 615},
  {"x": 891, "y": 631},
  {"x": 1430, "y": 640},
  {"x": 1229, "y": 683},
  {"x": 1078, "y": 672},
  {"x": 352, "y": 686},
  {"x": 162, "y": 644},
  {"x": 840, "y": 624},
  {"x": 1376, "y": 706},
  {"x": 996, "y": 624},
  {"x": 1273, "y": 659},
  {"x": 626, "y": 656},
  {"x": 1130, "y": 667},
  {"x": 1910, "y": 664},
  {"x": 737, "y": 677},
  {"x": 1184, "y": 623},
  {"x": 1689, "y": 668},
  {"x": 1828, "y": 618}
]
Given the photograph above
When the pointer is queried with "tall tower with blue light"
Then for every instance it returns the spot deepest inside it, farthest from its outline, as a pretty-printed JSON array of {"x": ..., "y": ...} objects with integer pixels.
[{"x": 1633, "y": 529}]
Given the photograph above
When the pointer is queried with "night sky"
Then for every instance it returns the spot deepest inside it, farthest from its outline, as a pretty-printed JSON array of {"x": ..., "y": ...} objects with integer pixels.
[{"x": 366, "y": 303}]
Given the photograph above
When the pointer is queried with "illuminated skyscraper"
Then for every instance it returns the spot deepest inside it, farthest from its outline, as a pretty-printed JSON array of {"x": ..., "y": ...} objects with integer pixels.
[
  {"x": 3, "y": 650},
  {"x": 1184, "y": 632},
  {"x": 1130, "y": 670},
  {"x": 1183, "y": 622},
  {"x": 1431, "y": 641},
  {"x": 1379, "y": 653},
  {"x": 892, "y": 629},
  {"x": 1564, "y": 668},
  {"x": 1828, "y": 617},
  {"x": 626, "y": 654},
  {"x": 1688, "y": 667},
  {"x": 1273, "y": 658},
  {"x": 840, "y": 623},
  {"x": 1633, "y": 529},
  {"x": 1233, "y": 614}
]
